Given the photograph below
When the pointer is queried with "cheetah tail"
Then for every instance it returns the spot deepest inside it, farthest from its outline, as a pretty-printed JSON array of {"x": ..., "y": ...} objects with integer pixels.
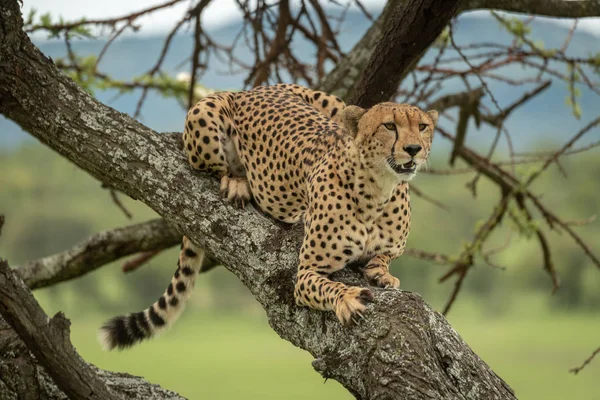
[{"x": 126, "y": 330}]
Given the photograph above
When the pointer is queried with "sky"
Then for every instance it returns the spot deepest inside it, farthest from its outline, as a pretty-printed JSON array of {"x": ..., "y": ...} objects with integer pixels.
[{"x": 217, "y": 13}]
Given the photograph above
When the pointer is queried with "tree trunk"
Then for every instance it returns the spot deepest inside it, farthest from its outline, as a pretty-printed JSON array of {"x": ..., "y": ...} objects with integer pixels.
[
  {"x": 412, "y": 26},
  {"x": 22, "y": 377},
  {"x": 403, "y": 350}
]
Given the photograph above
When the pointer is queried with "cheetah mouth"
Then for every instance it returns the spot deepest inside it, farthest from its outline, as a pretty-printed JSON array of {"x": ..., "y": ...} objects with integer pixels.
[{"x": 406, "y": 168}]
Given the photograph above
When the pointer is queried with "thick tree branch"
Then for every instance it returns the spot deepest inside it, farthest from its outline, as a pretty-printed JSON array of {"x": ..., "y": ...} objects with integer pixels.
[
  {"x": 547, "y": 8},
  {"x": 404, "y": 349},
  {"x": 98, "y": 250},
  {"x": 407, "y": 33},
  {"x": 62, "y": 372},
  {"x": 341, "y": 80},
  {"x": 48, "y": 339}
]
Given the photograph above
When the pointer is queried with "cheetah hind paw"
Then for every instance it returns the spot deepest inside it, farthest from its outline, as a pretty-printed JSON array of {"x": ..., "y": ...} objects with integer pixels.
[
  {"x": 351, "y": 305},
  {"x": 236, "y": 190}
]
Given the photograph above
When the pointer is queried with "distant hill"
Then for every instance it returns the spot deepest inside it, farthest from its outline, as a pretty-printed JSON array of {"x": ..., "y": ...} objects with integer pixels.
[{"x": 132, "y": 56}]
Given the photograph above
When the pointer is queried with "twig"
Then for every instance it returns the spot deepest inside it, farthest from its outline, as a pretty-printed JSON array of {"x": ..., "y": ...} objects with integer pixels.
[
  {"x": 196, "y": 13},
  {"x": 108, "y": 21},
  {"x": 588, "y": 360},
  {"x": 436, "y": 258},
  {"x": 457, "y": 286},
  {"x": 118, "y": 203},
  {"x": 567, "y": 145},
  {"x": 419, "y": 193},
  {"x": 140, "y": 260},
  {"x": 582, "y": 222}
]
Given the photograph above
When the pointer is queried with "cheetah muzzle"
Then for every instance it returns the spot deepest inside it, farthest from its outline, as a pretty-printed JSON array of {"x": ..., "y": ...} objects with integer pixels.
[
  {"x": 406, "y": 168},
  {"x": 304, "y": 155}
]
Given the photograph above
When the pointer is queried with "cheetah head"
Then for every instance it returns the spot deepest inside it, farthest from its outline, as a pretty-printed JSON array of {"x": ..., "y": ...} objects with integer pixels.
[{"x": 394, "y": 139}]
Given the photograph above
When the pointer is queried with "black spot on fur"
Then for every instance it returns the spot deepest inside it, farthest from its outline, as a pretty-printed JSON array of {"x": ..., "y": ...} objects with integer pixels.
[
  {"x": 162, "y": 303},
  {"x": 134, "y": 329},
  {"x": 120, "y": 334},
  {"x": 155, "y": 318},
  {"x": 190, "y": 253},
  {"x": 142, "y": 321}
]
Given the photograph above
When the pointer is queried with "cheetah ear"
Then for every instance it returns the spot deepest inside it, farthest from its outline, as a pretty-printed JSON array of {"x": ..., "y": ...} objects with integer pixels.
[
  {"x": 433, "y": 115},
  {"x": 350, "y": 117}
]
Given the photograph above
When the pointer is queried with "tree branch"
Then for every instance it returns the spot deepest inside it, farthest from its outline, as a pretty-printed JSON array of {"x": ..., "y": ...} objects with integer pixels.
[
  {"x": 48, "y": 339},
  {"x": 404, "y": 349},
  {"x": 342, "y": 79},
  {"x": 547, "y": 8},
  {"x": 408, "y": 32},
  {"x": 98, "y": 250},
  {"x": 63, "y": 372}
]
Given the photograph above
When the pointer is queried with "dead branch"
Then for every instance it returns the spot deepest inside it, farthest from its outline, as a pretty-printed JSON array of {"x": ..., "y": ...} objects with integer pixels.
[
  {"x": 141, "y": 259},
  {"x": 48, "y": 339},
  {"x": 588, "y": 360},
  {"x": 98, "y": 250}
]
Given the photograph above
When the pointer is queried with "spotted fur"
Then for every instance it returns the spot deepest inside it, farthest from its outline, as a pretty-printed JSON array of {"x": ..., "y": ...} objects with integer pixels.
[
  {"x": 302, "y": 154},
  {"x": 125, "y": 331}
]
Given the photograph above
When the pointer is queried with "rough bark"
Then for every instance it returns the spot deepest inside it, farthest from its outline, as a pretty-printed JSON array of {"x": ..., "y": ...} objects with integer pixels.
[
  {"x": 25, "y": 376},
  {"x": 65, "y": 373},
  {"x": 404, "y": 349},
  {"x": 22, "y": 377},
  {"x": 409, "y": 30},
  {"x": 341, "y": 80},
  {"x": 98, "y": 250}
]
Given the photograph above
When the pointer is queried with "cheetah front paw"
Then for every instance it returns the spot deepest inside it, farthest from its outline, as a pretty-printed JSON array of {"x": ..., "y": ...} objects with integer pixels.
[
  {"x": 378, "y": 274},
  {"x": 236, "y": 190},
  {"x": 351, "y": 304}
]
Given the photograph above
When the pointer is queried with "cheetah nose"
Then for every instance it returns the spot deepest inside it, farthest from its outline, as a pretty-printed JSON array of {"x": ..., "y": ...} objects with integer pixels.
[{"x": 412, "y": 149}]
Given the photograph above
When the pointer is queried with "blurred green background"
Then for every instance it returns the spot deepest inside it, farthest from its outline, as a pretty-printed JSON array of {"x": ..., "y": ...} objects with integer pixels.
[{"x": 223, "y": 347}]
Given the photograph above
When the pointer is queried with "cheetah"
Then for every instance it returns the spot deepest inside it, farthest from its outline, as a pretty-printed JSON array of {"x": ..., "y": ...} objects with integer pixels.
[{"x": 303, "y": 154}]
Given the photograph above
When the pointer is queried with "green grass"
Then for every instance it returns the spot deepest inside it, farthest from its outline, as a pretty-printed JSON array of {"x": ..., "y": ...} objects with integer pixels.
[
  {"x": 209, "y": 356},
  {"x": 534, "y": 356},
  {"x": 533, "y": 349},
  {"x": 206, "y": 356}
]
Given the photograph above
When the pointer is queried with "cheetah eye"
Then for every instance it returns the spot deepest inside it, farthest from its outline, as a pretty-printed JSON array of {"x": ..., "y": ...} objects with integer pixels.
[
  {"x": 422, "y": 127},
  {"x": 390, "y": 126}
]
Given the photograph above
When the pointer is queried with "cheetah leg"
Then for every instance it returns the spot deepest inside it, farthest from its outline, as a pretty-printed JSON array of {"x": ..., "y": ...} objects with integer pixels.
[
  {"x": 236, "y": 190},
  {"x": 209, "y": 138},
  {"x": 377, "y": 272},
  {"x": 315, "y": 290}
]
